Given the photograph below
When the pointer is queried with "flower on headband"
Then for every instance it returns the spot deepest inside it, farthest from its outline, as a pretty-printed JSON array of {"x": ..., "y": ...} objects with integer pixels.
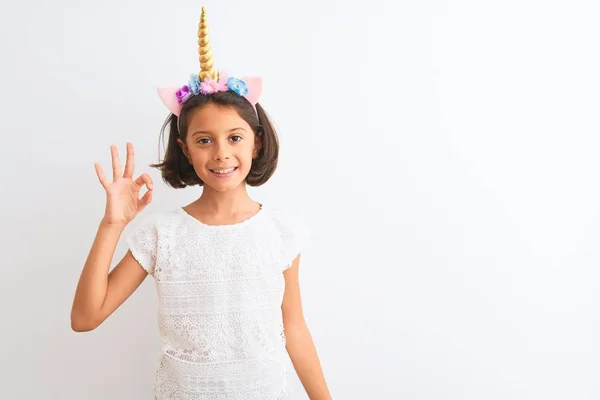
[
  {"x": 237, "y": 86},
  {"x": 183, "y": 94},
  {"x": 194, "y": 83},
  {"x": 210, "y": 86}
]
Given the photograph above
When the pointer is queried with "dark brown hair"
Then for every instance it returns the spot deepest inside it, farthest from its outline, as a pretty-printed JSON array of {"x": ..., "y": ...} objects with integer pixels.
[{"x": 177, "y": 171}]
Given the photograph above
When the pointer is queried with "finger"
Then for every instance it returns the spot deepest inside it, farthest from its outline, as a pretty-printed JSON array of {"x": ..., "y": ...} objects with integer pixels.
[
  {"x": 116, "y": 164},
  {"x": 146, "y": 199},
  {"x": 145, "y": 179},
  {"x": 101, "y": 176},
  {"x": 129, "y": 163}
]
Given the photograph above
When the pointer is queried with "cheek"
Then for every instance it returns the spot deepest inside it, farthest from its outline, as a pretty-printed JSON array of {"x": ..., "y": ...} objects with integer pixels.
[
  {"x": 198, "y": 156},
  {"x": 249, "y": 152}
]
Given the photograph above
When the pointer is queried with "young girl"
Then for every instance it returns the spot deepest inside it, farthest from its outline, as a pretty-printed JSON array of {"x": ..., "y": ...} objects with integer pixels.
[{"x": 225, "y": 267}]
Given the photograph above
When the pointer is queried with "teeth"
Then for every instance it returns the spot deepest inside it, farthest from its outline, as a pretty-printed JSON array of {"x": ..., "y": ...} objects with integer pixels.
[{"x": 223, "y": 171}]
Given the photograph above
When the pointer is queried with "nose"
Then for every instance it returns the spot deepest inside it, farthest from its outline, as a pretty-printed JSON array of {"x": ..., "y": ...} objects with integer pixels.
[{"x": 221, "y": 152}]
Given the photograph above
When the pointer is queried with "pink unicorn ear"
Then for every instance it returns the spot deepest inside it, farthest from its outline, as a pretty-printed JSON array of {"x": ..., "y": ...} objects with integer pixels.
[
  {"x": 223, "y": 76},
  {"x": 254, "y": 85},
  {"x": 168, "y": 97}
]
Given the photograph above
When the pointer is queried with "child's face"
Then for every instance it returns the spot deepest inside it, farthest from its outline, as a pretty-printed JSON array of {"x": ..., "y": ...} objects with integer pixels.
[{"x": 221, "y": 146}]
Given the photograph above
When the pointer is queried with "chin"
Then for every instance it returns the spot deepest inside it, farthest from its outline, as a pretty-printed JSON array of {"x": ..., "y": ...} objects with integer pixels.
[
  {"x": 219, "y": 185},
  {"x": 222, "y": 188}
]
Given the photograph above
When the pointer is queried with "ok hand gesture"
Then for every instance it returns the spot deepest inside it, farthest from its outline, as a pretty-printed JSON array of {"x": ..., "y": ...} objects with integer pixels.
[{"x": 122, "y": 194}]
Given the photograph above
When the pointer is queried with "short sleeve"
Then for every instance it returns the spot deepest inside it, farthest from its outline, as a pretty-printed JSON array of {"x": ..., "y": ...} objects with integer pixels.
[
  {"x": 143, "y": 243},
  {"x": 296, "y": 237}
]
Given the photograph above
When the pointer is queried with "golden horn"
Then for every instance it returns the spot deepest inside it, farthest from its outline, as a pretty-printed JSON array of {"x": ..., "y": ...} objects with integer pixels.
[{"x": 207, "y": 63}]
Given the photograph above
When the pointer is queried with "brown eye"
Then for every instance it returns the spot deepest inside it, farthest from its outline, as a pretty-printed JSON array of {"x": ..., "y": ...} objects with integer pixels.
[
  {"x": 203, "y": 141},
  {"x": 236, "y": 138}
]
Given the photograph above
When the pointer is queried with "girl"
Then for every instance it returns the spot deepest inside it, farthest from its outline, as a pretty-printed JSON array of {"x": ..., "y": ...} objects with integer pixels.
[{"x": 225, "y": 267}]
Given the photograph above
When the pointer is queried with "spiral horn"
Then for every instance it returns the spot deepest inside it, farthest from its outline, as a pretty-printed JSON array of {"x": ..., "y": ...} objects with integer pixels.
[{"x": 207, "y": 63}]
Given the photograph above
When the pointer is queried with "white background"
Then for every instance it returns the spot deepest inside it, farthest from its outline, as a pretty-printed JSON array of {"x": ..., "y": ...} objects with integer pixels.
[{"x": 443, "y": 153}]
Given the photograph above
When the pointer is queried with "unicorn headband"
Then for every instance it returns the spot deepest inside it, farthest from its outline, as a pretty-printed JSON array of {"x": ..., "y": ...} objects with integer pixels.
[{"x": 209, "y": 80}]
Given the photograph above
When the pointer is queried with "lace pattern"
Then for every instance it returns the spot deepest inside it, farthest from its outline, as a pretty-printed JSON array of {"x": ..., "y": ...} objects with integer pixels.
[{"x": 220, "y": 290}]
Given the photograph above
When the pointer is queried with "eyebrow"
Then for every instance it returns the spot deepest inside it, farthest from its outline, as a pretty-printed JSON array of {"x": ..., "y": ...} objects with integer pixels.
[{"x": 210, "y": 132}]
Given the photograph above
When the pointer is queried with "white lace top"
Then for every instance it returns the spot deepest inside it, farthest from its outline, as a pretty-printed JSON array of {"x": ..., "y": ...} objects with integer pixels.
[{"x": 220, "y": 289}]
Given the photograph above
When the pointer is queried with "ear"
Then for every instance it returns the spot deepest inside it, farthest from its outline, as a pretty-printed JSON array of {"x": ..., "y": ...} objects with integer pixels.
[
  {"x": 169, "y": 99},
  {"x": 184, "y": 149}
]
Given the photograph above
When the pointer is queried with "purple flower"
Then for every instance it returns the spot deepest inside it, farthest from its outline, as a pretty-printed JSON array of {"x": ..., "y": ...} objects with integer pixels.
[{"x": 183, "y": 94}]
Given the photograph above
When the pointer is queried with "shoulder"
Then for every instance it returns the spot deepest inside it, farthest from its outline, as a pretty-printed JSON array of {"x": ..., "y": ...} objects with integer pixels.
[
  {"x": 290, "y": 233},
  {"x": 158, "y": 221},
  {"x": 288, "y": 229},
  {"x": 285, "y": 219}
]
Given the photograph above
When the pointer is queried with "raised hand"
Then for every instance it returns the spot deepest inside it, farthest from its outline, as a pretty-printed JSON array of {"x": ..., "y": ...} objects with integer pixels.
[{"x": 122, "y": 194}]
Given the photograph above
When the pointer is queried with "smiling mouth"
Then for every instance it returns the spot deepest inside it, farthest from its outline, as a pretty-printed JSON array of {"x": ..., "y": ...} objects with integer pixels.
[{"x": 223, "y": 171}]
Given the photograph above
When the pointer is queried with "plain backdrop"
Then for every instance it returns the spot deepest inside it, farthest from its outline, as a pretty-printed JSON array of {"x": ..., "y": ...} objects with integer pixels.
[{"x": 444, "y": 155}]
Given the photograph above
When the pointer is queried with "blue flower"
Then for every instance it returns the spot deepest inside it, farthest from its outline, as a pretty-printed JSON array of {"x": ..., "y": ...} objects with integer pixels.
[
  {"x": 237, "y": 86},
  {"x": 194, "y": 84}
]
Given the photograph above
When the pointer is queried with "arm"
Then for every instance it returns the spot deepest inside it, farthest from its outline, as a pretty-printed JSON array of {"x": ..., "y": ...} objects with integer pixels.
[
  {"x": 300, "y": 345},
  {"x": 99, "y": 293}
]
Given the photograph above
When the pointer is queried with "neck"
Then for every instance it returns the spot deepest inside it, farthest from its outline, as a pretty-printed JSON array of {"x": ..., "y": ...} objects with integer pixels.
[{"x": 228, "y": 202}]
